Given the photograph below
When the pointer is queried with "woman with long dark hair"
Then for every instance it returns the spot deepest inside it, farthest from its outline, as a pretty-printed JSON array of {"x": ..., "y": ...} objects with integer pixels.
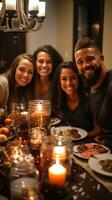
[
  {"x": 69, "y": 102},
  {"x": 46, "y": 59}
]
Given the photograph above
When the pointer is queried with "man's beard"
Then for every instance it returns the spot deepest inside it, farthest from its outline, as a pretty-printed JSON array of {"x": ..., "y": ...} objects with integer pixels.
[{"x": 89, "y": 82}]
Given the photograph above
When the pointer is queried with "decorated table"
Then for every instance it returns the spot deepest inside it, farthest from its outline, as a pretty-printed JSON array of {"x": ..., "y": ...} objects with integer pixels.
[
  {"x": 83, "y": 186},
  {"x": 83, "y": 182}
]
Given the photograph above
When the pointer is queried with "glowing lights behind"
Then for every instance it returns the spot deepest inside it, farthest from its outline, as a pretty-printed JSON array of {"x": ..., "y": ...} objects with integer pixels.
[{"x": 21, "y": 15}]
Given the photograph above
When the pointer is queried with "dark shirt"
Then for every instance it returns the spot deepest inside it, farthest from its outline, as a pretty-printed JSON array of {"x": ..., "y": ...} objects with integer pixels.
[
  {"x": 101, "y": 105},
  {"x": 81, "y": 116}
]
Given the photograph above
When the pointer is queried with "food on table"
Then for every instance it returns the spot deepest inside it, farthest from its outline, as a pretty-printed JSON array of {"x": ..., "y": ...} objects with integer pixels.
[
  {"x": 14, "y": 115},
  {"x": 91, "y": 149},
  {"x": 3, "y": 137},
  {"x": 106, "y": 165},
  {"x": 73, "y": 133},
  {"x": 5, "y": 130},
  {"x": 7, "y": 121}
]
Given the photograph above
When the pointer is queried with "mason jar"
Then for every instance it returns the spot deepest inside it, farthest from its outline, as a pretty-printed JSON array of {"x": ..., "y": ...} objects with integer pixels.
[
  {"x": 39, "y": 112},
  {"x": 23, "y": 179},
  {"x": 55, "y": 165}
]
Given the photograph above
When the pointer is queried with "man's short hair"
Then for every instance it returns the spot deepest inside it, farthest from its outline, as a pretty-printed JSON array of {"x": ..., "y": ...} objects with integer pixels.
[{"x": 85, "y": 42}]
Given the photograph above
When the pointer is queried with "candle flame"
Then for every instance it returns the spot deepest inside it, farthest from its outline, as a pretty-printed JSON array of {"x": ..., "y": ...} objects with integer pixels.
[
  {"x": 40, "y": 107},
  {"x": 57, "y": 161},
  {"x": 60, "y": 142}
]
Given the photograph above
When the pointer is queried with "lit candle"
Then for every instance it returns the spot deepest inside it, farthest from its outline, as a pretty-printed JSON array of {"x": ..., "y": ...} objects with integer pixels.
[
  {"x": 59, "y": 152},
  {"x": 40, "y": 112},
  {"x": 42, "y": 6},
  {"x": 35, "y": 138},
  {"x": 24, "y": 114},
  {"x": 39, "y": 107},
  {"x": 33, "y": 5},
  {"x": 57, "y": 174},
  {"x": 10, "y": 4}
]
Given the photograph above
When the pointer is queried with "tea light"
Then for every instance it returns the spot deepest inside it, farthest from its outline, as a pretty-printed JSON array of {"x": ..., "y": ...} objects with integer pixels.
[
  {"x": 35, "y": 137},
  {"x": 24, "y": 114},
  {"x": 57, "y": 174}
]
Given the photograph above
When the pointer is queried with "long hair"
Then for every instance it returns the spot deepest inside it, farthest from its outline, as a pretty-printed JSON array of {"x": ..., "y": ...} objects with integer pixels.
[
  {"x": 15, "y": 94},
  {"x": 58, "y": 96},
  {"x": 56, "y": 57}
]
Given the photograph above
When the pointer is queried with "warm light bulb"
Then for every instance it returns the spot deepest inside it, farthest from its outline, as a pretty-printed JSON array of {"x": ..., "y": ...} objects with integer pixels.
[
  {"x": 42, "y": 6},
  {"x": 10, "y": 4},
  {"x": 33, "y": 5},
  {"x": 0, "y": 6}
]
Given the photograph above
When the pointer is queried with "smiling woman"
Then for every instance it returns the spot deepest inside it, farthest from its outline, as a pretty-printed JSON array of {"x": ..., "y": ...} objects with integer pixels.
[
  {"x": 69, "y": 102},
  {"x": 46, "y": 60},
  {"x": 16, "y": 83}
]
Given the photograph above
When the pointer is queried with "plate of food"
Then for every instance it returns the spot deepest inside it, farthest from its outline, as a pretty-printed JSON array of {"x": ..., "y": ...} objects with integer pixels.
[
  {"x": 55, "y": 121},
  {"x": 69, "y": 131},
  {"x": 102, "y": 165},
  {"x": 89, "y": 150}
]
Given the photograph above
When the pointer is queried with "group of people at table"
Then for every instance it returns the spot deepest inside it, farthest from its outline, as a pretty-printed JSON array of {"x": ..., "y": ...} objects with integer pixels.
[{"x": 80, "y": 91}]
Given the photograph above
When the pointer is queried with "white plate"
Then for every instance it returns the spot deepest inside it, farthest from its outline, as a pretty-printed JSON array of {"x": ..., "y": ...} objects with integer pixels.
[
  {"x": 95, "y": 165},
  {"x": 61, "y": 131},
  {"x": 90, "y": 154},
  {"x": 55, "y": 121}
]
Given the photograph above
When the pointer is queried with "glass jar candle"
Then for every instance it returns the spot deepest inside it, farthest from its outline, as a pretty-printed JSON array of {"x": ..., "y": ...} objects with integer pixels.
[
  {"x": 23, "y": 179},
  {"x": 19, "y": 116},
  {"x": 39, "y": 114},
  {"x": 36, "y": 136},
  {"x": 55, "y": 165}
]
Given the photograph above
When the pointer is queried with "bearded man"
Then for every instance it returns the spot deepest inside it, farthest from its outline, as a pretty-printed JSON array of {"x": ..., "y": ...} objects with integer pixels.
[{"x": 95, "y": 75}]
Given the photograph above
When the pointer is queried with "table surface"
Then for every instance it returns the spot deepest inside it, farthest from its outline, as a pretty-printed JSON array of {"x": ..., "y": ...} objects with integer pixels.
[
  {"x": 104, "y": 180},
  {"x": 85, "y": 184}
]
